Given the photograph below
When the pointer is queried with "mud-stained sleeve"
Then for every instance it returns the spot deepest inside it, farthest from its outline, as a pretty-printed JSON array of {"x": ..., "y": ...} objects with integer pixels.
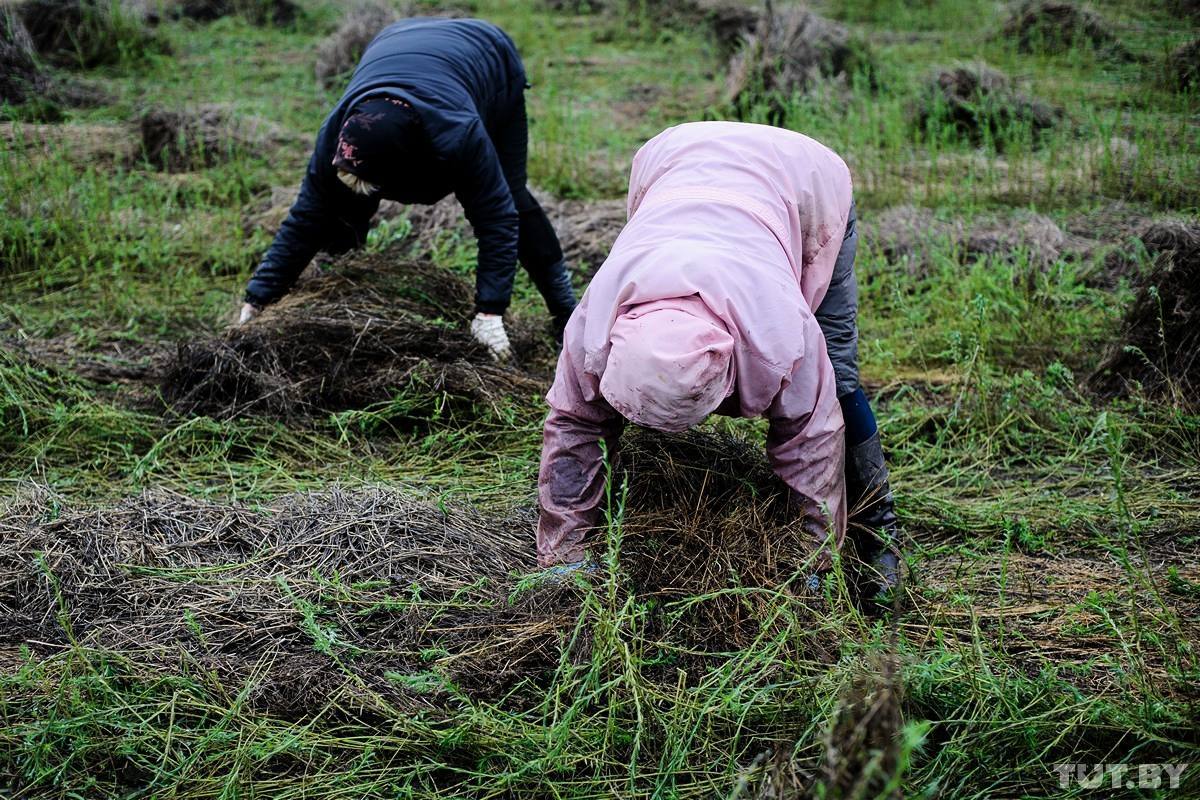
[
  {"x": 571, "y": 480},
  {"x": 806, "y": 445}
]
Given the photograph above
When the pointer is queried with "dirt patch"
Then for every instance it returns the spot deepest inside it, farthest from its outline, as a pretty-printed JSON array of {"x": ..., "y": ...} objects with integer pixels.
[
  {"x": 789, "y": 51},
  {"x": 185, "y": 140},
  {"x": 586, "y": 229},
  {"x": 267, "y": 212},
  {"x": 979, "y": 104},
  {"x": 1052, "y": 26},
  {"x": 372, "y": 328},
  {"x": 1158, "y": 349}
]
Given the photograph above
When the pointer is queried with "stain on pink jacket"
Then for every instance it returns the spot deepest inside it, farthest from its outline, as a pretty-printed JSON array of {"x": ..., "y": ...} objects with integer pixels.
[{"x": 742, "y": 222}]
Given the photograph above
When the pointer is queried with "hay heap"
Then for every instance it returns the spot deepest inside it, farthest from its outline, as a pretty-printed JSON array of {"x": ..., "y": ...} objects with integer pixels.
[
  {"x": 183, "y": 140},
  {"x": 338, "y": 55},
  {"x": 1021, "y": 234},
  {"x": 910, "y": 235},
  {"x": 322, "y": 600},
  {"x": 24, "y": 82},
  {"x": 257, "y": 12},
  {"x": 86, "y": 33},
  {"x": 1159, "y": 345},
  {"x": 20, "y": 76},
  {"x": 979, "y": 104},
  {"x": 730, "y": 21},
  {"x": 1053, "y": 26},
  {"x": 790, "y": 51},
  {"x": 1183, "y": 66},
  {"x": 373, "y": 578},
  {"x": 704, "y": 515},
  {"x": 348, "y": 340}
]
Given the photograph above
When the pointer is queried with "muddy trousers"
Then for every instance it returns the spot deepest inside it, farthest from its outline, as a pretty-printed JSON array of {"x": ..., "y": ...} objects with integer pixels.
[{"x": 873, "y": 523}]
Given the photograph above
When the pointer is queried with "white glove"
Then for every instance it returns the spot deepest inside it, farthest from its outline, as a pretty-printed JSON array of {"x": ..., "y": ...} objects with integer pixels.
[
  {"x": 249, "y": 312},
  {"x": 488, "y": 330}
]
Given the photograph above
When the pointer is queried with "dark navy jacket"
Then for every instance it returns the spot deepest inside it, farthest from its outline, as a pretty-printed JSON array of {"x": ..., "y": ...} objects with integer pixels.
[{"x": 464, "y": 78}]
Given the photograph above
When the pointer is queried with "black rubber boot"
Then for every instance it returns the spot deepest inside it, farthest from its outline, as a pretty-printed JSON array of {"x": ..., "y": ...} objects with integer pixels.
[{"x": 873, "y": 523}]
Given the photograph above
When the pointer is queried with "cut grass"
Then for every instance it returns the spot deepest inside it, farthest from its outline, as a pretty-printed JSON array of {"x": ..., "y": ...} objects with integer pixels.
[{"x": 1051, "y": 613}]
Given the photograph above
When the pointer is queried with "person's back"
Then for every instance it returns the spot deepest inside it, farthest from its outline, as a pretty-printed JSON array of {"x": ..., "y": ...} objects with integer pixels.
[
  {"x": 435, "y": 106},
  {"x": 710, "y": 215},
  {"x": 703, "y": 305},
  {"x": 457, "y": 66},
  {"x": 796, "y": 186}
]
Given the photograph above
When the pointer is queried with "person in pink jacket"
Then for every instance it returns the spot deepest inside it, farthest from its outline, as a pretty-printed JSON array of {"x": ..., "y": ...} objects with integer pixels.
[{"x": 711, "y": 301}]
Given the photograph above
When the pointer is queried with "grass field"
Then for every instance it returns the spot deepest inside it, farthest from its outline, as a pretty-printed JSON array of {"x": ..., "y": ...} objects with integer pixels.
[{"x": 343, "y": 602}]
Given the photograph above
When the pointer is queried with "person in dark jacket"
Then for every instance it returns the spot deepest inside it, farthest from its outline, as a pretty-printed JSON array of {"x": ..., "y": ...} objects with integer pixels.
[{"x": 435, "y": 106}]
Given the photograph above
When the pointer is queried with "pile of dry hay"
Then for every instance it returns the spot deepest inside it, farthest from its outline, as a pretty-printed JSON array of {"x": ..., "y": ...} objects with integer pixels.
[
  {"x": 257, "y": 12},
  {"x": 729, "y": 20},
  {"x": 773, "y": 53},
  {"x": 20, "y": 75},
  {"x": 183, "y": 140},
  {"x": 979, "y": 104},
  {"x": 322, "y": 595},
  {"x": 1183, "y": 66},
  {"x": 361, "y": 335},
  {"x": 789, "y": 51},
  {"x": 338, "y": 55},
  {"x": 85, "y": 33},
  {"x": 24, "y": 82},
  {"x": 1159, "y": 345},
  {"x": 1053, "y": 26},
  {"x": 706, "y": 517},
  {"x": 910, "y": 235},
  {"x": 323, "y": 600}
]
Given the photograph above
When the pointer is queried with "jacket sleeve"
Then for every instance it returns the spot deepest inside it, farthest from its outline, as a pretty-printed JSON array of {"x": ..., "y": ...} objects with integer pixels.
[
  {"x": 838, "y": 313},
  {"x": 327, "y": 215},
  {"x": 488, "y": 203},
  {"x": 572, "y": 479},
  {"x": 806, "y": 446}
]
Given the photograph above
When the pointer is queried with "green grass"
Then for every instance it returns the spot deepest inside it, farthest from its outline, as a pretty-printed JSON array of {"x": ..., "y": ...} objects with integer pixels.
[{"x": 1013, "y": 482}]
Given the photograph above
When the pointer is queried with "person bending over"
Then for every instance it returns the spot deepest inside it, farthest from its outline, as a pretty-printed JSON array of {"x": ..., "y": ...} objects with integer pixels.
[
  {"x": 731, "y": 290},
  {"x": 435, "y": 106}
]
